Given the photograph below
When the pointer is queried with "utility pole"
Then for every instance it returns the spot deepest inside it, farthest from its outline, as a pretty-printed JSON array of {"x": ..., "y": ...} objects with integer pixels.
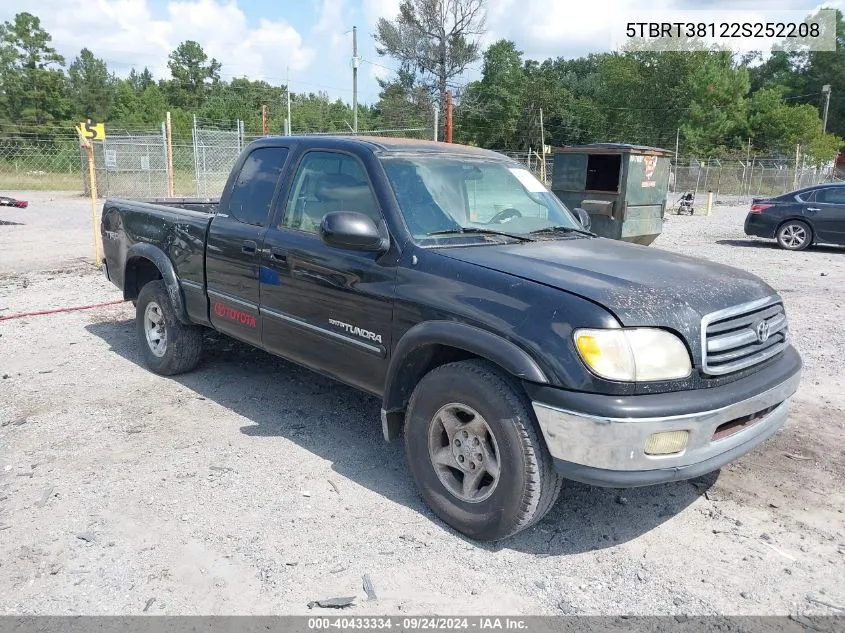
[
  {"x": 264, "y": 120},
  {"x": 288, "y": 123},
  {"x": 355, "y": 61},
  {"x": 826, "y": 91},
  {"x": 449, "y": 116},
  {"x": 797, "y": 158},
  {"x": 542, "y": 148}
]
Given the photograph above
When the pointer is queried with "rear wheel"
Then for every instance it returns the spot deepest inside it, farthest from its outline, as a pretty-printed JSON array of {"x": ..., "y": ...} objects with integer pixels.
[
  {"x": 794, "y": 235},
  {"x": 169, "y": 346},
  {"x": 475, "y": 452}
]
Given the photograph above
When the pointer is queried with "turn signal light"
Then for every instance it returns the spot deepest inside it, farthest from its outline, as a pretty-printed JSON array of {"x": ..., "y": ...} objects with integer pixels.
[
  {"x": 666, "y": 443},
  {"x": 759, "y": 208}
]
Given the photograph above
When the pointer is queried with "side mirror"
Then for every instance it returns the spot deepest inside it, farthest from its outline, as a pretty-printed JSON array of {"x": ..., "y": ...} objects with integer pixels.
[
  {"x": 584, "y": 218},
  {"x": 352, "y": 231}
]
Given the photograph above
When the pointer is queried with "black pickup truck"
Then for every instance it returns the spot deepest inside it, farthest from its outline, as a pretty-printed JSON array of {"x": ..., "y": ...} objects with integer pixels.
[{"x": 510, "y": 346}]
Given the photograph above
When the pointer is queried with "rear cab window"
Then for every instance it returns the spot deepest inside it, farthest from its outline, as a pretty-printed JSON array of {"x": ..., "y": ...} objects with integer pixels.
[{"x": 255, "y": 186}]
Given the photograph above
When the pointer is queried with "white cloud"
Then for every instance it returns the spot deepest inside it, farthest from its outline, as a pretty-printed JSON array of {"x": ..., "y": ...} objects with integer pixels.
[
  {"x": 375, "y": 9},
  {"x": 331, "y": 24},
  {"x": 259, "y": 53},
  {"x": 550, "y": 29},
  {"x": 126, "y": 35}
]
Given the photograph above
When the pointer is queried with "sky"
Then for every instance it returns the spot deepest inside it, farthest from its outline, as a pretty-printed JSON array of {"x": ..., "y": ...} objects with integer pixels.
[{"x": 312, "y": 39}]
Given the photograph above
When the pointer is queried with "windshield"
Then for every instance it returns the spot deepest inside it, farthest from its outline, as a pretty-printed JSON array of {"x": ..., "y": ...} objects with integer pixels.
[{"x": 445, "y": 198}]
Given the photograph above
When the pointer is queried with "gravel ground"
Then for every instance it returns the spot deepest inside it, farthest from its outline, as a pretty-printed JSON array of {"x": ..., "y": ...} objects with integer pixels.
[{"x": 253, "y": 486}]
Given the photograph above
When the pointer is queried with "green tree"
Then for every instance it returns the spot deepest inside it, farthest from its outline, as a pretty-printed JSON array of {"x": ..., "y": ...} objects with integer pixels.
[
  {"x": 124, "y": 108},
  {"x": 716, "y": 119},
  {"x": 821, "y": 68},
  {"x": 402, "y": 103},
  {"x": 91, "y": 87},
  {"x": 437, "y": 38},
  {"x": 491, "y": 108},
  {"x": 802, "y": 74},
  {"x": 192, "y": 73},
  {"x": 140, "y": 81},
  {"x": 32, "y": 83},
  {"x": 779, "y": 127}
]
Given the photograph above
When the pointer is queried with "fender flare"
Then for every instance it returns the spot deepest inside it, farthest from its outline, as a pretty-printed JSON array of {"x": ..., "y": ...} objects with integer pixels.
[
  {"x": 469, "y": 338},
  {"x": 168, "y": 274}
]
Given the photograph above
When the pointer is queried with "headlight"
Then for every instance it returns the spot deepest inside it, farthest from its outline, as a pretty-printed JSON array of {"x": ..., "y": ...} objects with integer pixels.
[{"x": 634, "y": 355}]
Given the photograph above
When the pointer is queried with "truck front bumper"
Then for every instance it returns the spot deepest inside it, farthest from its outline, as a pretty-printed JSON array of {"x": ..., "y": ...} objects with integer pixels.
[{"x": 605, "y": 444}]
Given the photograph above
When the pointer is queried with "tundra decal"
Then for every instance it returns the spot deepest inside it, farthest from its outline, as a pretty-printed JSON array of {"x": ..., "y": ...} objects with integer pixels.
[
  {"x": 352, "y": 329},
  {"x": 232, "y": 314}
]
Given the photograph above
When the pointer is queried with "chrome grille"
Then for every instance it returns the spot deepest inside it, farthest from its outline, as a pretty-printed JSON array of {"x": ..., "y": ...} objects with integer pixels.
[{"x": 743, "y": 336}]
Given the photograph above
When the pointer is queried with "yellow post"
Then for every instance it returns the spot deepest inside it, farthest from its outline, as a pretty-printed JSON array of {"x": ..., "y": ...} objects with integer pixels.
[
  {"x": 92, "y": 185},
  {"x": 92, "y": 189},
  {"x": 709, "y": 203}
]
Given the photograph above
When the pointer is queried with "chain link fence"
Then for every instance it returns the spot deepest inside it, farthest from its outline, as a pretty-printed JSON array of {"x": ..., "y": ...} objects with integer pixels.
[
  {"x": 215, "y": 151},
  {"x": 32, "y": 161},
  {"x": 737, "y": 179},
  {"x": 129, "y": 165},
  {"x": 134, "y": 165}
]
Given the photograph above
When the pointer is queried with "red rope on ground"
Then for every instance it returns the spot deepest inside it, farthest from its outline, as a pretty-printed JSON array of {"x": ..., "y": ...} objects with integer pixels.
[{"x": 73, "y": 309}]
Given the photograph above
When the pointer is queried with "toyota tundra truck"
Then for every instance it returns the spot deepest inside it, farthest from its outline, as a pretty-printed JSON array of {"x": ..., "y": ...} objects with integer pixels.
[{"x": 511, "y": 348}]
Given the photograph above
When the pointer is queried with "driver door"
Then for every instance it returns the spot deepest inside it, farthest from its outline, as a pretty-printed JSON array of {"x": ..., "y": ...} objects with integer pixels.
[{"x": 327, "y": 308}]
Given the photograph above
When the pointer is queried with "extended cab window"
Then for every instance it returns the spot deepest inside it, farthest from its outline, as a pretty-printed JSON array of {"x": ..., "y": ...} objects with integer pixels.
[
  {"x": 326, "y": 182},
  {"x": 253, "y": 190}
]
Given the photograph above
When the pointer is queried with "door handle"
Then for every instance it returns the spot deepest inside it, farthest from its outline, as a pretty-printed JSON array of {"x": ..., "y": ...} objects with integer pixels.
[
  {"x": 278, "y": 255},
  {"x": 249, "y": 247},
  {"x": 813, "y": 209}
]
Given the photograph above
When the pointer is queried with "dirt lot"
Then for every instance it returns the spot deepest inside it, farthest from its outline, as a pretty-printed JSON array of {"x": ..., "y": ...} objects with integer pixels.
[{"x": 253, "y": 486}]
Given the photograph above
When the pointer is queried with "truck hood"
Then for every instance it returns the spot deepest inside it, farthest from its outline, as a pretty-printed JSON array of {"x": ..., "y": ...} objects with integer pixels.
[{"x": 640, "y": 285}]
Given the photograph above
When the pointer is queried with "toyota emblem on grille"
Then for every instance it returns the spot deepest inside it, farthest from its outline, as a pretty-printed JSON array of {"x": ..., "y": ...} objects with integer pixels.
[{"x": 763, "y": 331}]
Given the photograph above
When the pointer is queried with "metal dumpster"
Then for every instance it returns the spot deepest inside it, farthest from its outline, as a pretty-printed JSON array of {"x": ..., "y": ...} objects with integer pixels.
[{"x": 622, "y": 187}]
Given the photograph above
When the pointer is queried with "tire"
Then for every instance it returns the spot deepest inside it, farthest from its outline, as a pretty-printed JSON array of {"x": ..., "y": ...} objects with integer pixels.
[
  {"x": 182, "y": 344},
  {"x": 527, "y": 484},
  {"x": 794, "y": 235}
]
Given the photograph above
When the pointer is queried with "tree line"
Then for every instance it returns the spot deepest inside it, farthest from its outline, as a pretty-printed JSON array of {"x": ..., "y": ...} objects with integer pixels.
[
  {"x": 711, "y": 103},
  {"x": 42, "y": 94},
  {"x": 706, "y": 102}
]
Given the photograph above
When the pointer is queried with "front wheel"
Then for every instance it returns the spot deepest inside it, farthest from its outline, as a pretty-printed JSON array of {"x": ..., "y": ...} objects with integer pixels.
[
  {"x": 795, "y": 235},
  {"x": 169, "y": 346},
  {"x": 475, "y": 453}
]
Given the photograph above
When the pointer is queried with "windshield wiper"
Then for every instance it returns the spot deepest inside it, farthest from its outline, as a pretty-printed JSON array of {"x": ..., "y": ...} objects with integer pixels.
[
  {"x": 472, "y": 230},
  {"x": 562, "y": 229}
]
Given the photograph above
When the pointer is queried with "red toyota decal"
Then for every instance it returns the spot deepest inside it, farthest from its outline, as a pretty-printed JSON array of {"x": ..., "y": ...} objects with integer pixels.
[{"x": 238, "y": 316}]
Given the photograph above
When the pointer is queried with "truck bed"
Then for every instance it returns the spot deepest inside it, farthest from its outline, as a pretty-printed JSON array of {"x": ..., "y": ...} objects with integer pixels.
[{"x": 175, "y": 226}]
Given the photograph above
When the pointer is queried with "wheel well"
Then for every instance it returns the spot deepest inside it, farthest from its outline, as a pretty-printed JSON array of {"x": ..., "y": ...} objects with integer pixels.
[
  {"x": 414, "y": 366},
  {"x": 139, "y": 272}
]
